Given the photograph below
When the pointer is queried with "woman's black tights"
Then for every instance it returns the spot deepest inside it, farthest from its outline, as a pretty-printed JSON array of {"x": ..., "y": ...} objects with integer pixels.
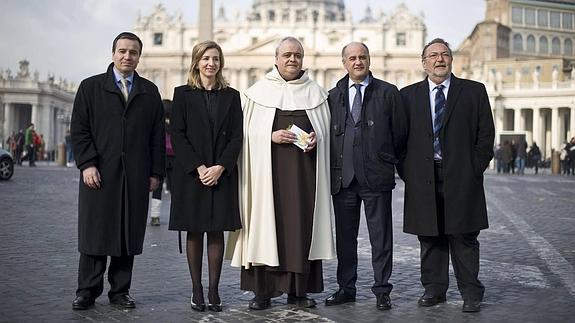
[{"x": 194, "y": 252}]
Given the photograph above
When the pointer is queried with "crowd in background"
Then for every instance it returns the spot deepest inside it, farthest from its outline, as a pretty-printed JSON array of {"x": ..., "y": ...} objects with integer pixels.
[{"x": 512, "y": 157}]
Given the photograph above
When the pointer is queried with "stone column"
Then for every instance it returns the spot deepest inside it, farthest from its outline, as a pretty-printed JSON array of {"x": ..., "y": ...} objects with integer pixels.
[
  {"x": 320, "y": 78},
  {"x": 499, "y": 115},
  {"x": 243, "y": 80},
  {"x": 233, "y": 78},
  {"x": 536, "y": 135},
  {"x": 555, "y": 141},
  {"x": 34, "y": 118},
  {"x": 571, "y": 123},
  {"x": 6, "y": 122},
  {"x": 517, "y": 125},
  {"x": 206, "y": 20}
]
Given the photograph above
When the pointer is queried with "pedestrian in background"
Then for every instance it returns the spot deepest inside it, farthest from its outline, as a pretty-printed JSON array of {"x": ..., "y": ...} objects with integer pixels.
[
  {"x": 19, "y": 142},
  {"x": 570, "y": 149},
  {"x": 30, "y": 147},
  {"x": 117, "y": 131},
  {"x": 506, "y": 156},
  {"x": 443, "y": 173},
  {"x": 535, "y": 156},
  {"x": 206, "y": 129},
  {"x": 521, "y": 155}
]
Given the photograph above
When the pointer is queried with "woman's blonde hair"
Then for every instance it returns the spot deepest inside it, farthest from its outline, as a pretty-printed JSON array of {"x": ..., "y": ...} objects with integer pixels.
[{"x": 194, "y": 74}]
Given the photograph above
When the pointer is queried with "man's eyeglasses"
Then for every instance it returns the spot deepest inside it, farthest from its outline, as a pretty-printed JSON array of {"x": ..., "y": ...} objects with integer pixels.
[{"x": 435, "y": 56}]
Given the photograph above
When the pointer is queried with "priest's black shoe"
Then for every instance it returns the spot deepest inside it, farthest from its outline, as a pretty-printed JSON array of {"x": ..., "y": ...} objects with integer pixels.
[
  {"x": 82, "y": 303},
  {"x": 258, "y": 303},
  {"x": 303, "y": 301},
  {"x": 429, "y": 300},
  {"x": 471, "y": 306},
  {"x": 339, "y": 297},
  {"x": 123, "y": 301},
  {"x": 383, "y": 302}
]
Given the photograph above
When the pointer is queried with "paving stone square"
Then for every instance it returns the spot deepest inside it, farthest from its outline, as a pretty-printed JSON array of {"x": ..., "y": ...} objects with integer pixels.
[{"x": 527, "y": 262}]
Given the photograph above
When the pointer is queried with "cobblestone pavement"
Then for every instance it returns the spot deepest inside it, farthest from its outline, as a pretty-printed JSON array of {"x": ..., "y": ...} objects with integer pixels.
[{"x": 527, "y": 262}]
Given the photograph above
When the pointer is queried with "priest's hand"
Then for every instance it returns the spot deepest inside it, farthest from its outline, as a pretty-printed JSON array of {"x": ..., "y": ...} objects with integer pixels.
[
  {"x": 311, "y": 142},
  {"x": 211, "y": 175},
  {"x": 283, "y": 137},
  {"x": 91, "y": 177},
  {"x": 154, "y": 183}
]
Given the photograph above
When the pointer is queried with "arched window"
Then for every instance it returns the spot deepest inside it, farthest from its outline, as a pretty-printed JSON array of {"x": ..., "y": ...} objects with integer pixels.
[
  {"x": 568, "y": 49},
  {"x": 517, "y": 43},
  {"x": 556, "y": 46},
  {"x": 530, "y": 44},
  {"x": 543, "y": 45}
]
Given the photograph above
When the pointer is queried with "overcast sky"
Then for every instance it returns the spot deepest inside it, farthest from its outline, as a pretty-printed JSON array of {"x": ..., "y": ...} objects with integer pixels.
[{"x": 72, "y": 38}]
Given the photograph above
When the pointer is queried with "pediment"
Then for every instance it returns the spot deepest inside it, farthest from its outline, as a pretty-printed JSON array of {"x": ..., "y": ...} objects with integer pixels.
[{"x": 265, "y": 46}]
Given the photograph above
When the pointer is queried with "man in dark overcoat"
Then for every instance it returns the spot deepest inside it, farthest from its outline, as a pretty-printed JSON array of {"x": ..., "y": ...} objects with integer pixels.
[
  {"x": 367, "y": 138},
  {"x": 117, "y": 134},
  {"x": 450, "y": 144}
]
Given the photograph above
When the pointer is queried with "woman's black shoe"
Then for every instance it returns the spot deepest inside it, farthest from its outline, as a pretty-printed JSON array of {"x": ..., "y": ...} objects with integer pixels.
[{"x": 198, "y": 307}]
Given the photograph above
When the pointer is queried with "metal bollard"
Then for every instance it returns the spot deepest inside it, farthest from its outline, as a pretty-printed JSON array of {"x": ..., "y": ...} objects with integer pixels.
[
  {"x": 555, "y": 162},
  {"x": 61, "y": 154}
]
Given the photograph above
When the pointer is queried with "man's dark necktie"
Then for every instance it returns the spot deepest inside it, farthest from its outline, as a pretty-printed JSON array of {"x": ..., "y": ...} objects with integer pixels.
[
  {"x": 438, "y": 121},
  {"x": 356, "y": 106}
]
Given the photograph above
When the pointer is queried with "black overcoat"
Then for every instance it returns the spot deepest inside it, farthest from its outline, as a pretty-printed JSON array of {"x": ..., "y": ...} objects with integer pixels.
[
  {"x": 466, "y": 139},
  {"x": 125, "y": 141},
  {"x": 196, "y": 207}
]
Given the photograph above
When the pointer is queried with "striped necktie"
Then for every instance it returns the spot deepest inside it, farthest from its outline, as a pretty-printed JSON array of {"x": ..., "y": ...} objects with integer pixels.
[
  {"x": 124, "y": 88},
  {"x": 438, "y": 121}
]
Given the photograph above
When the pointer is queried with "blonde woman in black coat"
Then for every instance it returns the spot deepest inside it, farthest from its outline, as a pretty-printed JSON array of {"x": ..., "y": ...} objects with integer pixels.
[{"x": 207, "y": 138}]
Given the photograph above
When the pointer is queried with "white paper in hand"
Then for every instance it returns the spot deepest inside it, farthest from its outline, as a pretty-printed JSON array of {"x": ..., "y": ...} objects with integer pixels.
[{"x": 302, "y": 136}]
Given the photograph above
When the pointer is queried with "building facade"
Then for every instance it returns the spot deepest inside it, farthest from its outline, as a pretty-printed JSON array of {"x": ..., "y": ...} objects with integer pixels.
[
  {"x": 323, "y": 26},
  {"x": 25, "y": 99},
  {"x": 523, "y": 52}
]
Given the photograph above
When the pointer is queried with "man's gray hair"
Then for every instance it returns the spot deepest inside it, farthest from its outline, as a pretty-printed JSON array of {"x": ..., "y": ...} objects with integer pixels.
[
  {"x": 291, "y": 39},
  {"x": 436, "y": 41}
]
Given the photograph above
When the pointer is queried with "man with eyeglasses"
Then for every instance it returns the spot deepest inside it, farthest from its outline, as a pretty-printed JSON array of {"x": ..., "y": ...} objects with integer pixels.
[{"x": 449, "y": 146}]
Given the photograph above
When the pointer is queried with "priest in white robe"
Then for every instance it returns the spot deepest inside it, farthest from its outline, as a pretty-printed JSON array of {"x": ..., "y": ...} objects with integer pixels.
[{"x": 285, "y": 200}]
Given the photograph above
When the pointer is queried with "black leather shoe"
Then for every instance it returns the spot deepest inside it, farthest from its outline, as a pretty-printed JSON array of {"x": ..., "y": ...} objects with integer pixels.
[
  {"x": 123, "y": 301},
  {"x": 471, "y": 306},
  {"x": 339, "y": 297},
  {"x": 429, "y": 300},
  {"x": 82, "y": 303},
  {"x": 260, "y": 303},
  {"x": 215, "y": 307},
  {"x": 198, "y": 307},
  {"x": 304, "y": 301},
  {"x": 383, "y": 302}
]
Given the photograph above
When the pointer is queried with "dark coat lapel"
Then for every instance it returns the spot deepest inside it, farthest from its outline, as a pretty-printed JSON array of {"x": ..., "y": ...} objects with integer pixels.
[
  {"x": 197, "y": 102},
  {"x": 423, "y": 97},
  {"x": 110, "y": 83},
  {"x": 137, "y": 89},
  {"x": 111, "y": 86},
  {"x": 224, "y": 103},
  {"x": 452, "y": 96}
]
